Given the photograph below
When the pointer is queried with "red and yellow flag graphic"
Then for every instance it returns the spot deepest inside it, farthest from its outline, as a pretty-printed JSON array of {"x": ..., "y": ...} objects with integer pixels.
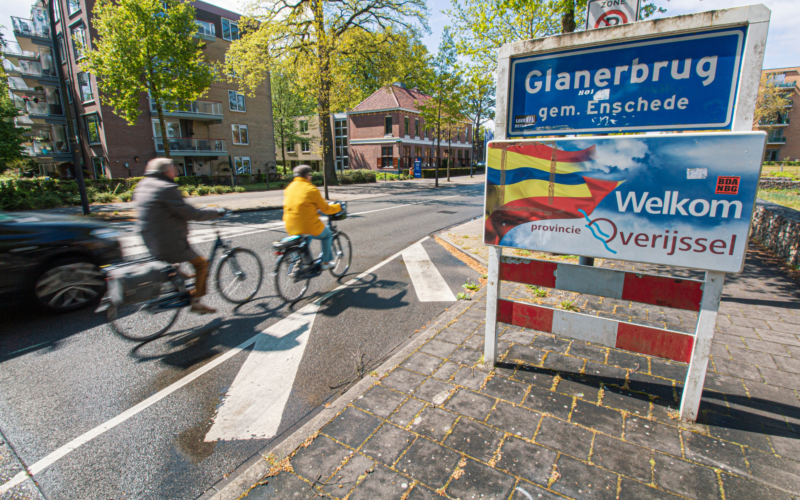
[{"x": 533, "y": 182}]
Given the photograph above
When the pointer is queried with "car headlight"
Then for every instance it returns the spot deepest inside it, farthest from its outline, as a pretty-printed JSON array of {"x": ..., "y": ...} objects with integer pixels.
[{"x": 105, "y": 233}]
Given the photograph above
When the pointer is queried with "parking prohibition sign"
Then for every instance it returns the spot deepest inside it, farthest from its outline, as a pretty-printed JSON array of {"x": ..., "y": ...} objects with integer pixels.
[{"x": 605, "y": 13}]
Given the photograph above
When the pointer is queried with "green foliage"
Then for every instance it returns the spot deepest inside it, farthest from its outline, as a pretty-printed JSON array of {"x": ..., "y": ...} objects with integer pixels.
[
  {"x": 146, "y": 45},
  {"x": 363, "y": 176},
  {"x": 463, "y": 296},
  {"x": 311, "y": 36},
  {"x": 469, "y": 285},
  {"x": 287, "y": 104},
  {"x": 11, "y": 137},
  {"x": 785, "y": 175},
  {"x": 568, "y": 305},
  {"x": 537, "y": 291}
]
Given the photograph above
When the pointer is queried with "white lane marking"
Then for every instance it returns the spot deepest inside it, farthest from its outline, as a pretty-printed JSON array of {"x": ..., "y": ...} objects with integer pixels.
[
  {"x": 79, "y": 441},
  {"x": 253, "y": 407},
  {"x": 406, "y": 205},
  {"x": 428, "y": 283}
]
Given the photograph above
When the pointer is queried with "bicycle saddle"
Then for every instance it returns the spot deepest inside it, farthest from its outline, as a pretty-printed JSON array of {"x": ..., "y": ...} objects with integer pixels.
[{"x": 288, "y": 242}]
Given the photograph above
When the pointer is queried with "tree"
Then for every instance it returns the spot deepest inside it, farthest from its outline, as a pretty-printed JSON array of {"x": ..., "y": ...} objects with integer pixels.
[
  {"x": 441, "y": 110},
  {"x": 313, "y": 34},
  {"x": 11, "y": 136},
  {"x": 287, "y": 105},
  {"x": 479, "y": 89},
  {"x": 483, "y": 26},
  {"x": 147, "y": 46},
  {"x": 771, "y": 102}
]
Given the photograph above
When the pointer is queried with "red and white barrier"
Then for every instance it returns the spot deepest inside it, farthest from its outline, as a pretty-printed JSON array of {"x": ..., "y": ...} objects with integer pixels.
[{"x": 679, "y": 293}]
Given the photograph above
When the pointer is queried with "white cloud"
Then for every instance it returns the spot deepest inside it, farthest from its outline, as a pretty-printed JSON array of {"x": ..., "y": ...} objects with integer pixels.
[{"x": 619, "y": 154}]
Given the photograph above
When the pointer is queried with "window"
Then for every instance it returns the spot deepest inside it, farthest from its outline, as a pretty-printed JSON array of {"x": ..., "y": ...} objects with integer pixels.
[
  {"x": 406, "y": 150},
  {"x": 230, "y": 30},
  {"x": 386, "y": 157},
  {"x": 240, "y": 134},
  {"x": 56, "y": 12},
  {"x": 73, "y": 6},
  {"x": 387, "y": 125},
  {"x": 97, "y": 165},
  {"x": 75, "y": 130},
  {"x": 60, "y": 142},
  {"x": 92, "y": 123},
  {"x": 340, "y": 144},
  {"x": 242, "y": 164},
  {"x": 236, "y": 101},
  {"x": 305, "y": 147},
  {"x": 303, "y": 125},
  {"x": 78, "y": 39},
  {"x": 53, "y": 98},
  {"x": 426, "y": 132},
  {"x": 771, "y": 155},
  {"x": 290, "y": 148},
  {"x": 406, "y": 126},
  {"x": 173, "y": 128},
  {"x": 61, "y": 49},
  {"x": 417, "y": 152},
  {"x": 85, "y": 85},
  {"x": 416, "y": 127}
]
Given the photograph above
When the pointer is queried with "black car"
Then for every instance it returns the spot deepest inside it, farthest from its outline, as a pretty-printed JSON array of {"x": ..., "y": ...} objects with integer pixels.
[{"x": 55, "y": 259}]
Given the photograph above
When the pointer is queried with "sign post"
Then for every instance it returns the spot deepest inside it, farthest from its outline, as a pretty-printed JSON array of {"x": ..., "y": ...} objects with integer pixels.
[
  {"x": 417, "y": 168},
  {"x": 587, "y": 195}
]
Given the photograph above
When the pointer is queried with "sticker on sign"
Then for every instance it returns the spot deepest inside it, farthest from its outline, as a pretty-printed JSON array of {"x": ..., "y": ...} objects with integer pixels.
[{"x": 605, "y": 13}]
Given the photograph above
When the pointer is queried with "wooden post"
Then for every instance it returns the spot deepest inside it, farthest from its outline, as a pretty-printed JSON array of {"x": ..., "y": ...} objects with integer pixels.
[
  {"x": 492, "y": 295},
  {"x": 703, "y": 335}
]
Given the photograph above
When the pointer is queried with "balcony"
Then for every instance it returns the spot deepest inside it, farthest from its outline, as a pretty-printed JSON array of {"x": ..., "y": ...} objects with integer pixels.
[
  {"x": 780, "y": 122},
  {"x": 28, "y": 28},
  {"x": 196, "y": 110},
  {"x": 14, "y": 51},
  {"x": 205, "y": 31},
  {"x": 184, "y": 146},
  {"x": 786, "y": 85},
  {"x": 776, "y": 140}
]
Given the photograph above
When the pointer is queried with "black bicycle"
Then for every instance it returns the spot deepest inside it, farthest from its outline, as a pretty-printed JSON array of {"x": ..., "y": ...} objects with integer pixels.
[
  {"x": 296, "y": 266},
  {"x": 238, "y": 279}
]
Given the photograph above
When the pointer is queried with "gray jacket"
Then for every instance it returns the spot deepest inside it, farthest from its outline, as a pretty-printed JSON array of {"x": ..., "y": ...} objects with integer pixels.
[{"x": 163, "y": 217}]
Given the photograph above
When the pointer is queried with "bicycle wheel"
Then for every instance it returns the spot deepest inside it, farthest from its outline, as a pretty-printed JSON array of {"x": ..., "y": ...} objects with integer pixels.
[
  {"x": 288, "y": 286},
  {"x": 239, "y": 275},
  {"x": 342, "y": 253},
  {"x": 146, "y": 320}
]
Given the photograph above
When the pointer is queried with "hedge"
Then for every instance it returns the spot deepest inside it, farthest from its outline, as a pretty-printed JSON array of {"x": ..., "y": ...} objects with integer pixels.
[
  {"x": 785, "y": 163},
  {"x": 430, "y": 173}
]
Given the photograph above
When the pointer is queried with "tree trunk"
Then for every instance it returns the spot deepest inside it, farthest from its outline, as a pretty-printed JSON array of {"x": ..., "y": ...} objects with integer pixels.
[
  {"x": 568, "y": 19},
  {"x": 438, "y": 142},
  {"x": 324, "y": 99},
  {"x": 475, "y": 129},
  {"x": 162, "y": 125},
  {"x": 449, "y": 151},
  {"x": 283, "y": 148}
]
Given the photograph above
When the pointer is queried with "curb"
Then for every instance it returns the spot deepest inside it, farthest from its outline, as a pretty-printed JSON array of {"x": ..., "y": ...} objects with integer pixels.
[
  {"x": 444, "y": 238},
  {"x": 246, "y": 479}
]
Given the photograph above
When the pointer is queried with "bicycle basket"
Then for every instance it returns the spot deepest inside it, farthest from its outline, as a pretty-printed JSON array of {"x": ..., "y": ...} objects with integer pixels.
[
  {"x": 137, "y": 283},
  {"x": 340, "y": 215}
]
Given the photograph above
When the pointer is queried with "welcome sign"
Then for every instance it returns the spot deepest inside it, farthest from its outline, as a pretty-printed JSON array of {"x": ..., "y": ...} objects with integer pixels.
[
  {"x": 686, "y": 82},
  {"x": 680, "y": 200}
]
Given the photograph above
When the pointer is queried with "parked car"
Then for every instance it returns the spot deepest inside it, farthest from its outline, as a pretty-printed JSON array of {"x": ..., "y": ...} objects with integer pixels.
[{"x": 55, "y": 259}]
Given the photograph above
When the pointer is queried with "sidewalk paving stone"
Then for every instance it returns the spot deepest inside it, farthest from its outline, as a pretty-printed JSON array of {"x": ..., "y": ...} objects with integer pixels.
[{"x": 591, "y": 423}]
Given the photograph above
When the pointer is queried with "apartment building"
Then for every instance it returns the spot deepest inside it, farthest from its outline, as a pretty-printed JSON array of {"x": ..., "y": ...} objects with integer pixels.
[
  {"x": 309, "y": 150},
  {"x": 783, "y": 135},
  {"x": 206, "y": 137},
  {"x": 387, "y": 131}
]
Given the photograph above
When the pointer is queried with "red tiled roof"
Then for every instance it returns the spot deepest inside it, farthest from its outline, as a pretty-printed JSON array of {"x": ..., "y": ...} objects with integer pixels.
[{"x": 391, "y": 97}]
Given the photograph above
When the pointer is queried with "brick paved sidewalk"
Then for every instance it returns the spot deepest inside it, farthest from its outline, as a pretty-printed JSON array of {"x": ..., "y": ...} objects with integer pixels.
[{"x": 560, "y": 418}]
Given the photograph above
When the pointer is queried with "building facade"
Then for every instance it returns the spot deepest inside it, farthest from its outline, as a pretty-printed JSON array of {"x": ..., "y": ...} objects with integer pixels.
[
  {"x": 205, "y": 136},
  {"x": 387, "y": 131},
  {"x": 309, "y": 150},
  {"x": 783, "y": 135}
]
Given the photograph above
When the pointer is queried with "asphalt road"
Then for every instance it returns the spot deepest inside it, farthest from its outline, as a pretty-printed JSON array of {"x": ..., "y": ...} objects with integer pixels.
[{"x": 64, "y": 377}]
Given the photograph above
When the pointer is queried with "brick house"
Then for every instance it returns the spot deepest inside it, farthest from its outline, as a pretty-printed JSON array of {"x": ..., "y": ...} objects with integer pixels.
[
  {"x": 387, "y": 131},
  {"x": 202, "y": 135},
  {"x": 783, "y": 136}
]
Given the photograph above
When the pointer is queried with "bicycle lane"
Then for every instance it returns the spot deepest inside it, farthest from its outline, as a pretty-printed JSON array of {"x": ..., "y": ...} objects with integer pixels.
[{"x": 161, "y": 451}]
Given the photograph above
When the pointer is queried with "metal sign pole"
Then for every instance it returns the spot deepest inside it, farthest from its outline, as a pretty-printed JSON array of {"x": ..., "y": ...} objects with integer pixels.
[{"x": 492, "y": 296}]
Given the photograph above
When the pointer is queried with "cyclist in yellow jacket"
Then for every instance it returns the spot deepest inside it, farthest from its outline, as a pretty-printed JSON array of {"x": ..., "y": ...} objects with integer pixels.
[{"x": 301, "y": 200}]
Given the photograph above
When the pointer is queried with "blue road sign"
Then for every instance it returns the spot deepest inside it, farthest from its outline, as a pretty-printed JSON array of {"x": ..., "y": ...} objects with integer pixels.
[
  {"x": 417, "y": 168},
  {"x": 683, "y": 82}
]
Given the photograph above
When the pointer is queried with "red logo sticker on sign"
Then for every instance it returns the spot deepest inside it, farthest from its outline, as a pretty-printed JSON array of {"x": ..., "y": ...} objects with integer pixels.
[{"x": 727, "y": 185}]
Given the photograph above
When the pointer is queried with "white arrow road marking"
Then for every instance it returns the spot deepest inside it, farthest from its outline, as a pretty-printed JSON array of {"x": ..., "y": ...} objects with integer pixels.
[
  {"x": 101, "y": 429},
  {"x": 428, "y": 283},
  {"x": 253, "y": 407}
]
